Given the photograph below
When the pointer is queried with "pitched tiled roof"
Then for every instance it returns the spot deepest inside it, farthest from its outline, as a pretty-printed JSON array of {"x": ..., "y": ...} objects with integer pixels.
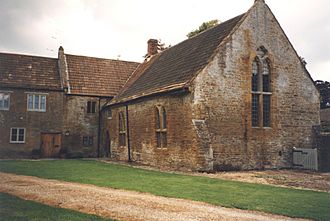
[
  {"x": 24, "y": 71},
  {"x": 97, "y": 76},
  {"x": 177, "y": 65}
]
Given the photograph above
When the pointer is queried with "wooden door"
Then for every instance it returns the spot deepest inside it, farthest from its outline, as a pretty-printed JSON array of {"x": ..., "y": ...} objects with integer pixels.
[{"x": 50, "y": 145}]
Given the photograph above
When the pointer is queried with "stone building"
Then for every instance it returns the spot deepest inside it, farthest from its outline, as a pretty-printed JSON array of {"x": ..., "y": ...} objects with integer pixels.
[
  {"x": 236, "y": 96},
  {"x": 228, "y": 98},
  {"x": 50, "y": 106}
]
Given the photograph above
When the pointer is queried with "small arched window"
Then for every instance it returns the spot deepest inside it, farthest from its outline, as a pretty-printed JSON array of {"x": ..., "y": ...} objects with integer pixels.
[
  {"x": 161, "y": 127},
  {"x": 164, "y": 117},
  {"x": 122, "y": 129},
  {"x": 157, "y": 118}
]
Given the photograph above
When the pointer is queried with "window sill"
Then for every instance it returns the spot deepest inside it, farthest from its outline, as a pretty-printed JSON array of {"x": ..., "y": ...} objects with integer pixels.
[
  {"x": 262, "y": 92},
  {"x": 4, "y": 109},
  {"x": 17, "y": 142},
  {"x": 43, "y": 111},
  {"x": 266, "y": 128}
]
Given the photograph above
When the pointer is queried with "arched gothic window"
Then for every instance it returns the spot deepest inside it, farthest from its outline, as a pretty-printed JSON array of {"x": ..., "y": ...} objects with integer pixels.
[
  {"x": 261, "y": 90},
  {"x": 161, "y": 127}
]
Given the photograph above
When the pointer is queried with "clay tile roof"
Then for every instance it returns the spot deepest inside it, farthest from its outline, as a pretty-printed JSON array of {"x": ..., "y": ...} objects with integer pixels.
[
  {"x": 177, "y": 65},
  {"x": 97, "y": 76},
  {"x": 24, "y": 71}
]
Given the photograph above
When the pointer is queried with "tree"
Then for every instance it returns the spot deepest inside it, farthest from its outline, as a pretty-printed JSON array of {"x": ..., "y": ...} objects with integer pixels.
[
  {"x": 324, "y": 88},
  {"x": 203, "y": 27}
]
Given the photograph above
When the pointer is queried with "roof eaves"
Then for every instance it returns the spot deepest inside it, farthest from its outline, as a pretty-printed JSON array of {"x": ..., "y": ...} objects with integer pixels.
[
  {"x": 146, "y": 94},
  {"x": 36, "y": 88},
  {"x": 184, "y": 84}
]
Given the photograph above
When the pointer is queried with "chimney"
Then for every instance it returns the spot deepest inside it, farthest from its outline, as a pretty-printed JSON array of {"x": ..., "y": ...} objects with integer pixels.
[
  {"x": 63, "y": 69},
  {"x": 152, "y": 47}
]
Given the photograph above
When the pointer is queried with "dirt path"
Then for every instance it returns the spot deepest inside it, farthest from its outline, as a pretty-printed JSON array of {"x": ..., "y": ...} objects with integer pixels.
[{"x": 120, "y": 204}]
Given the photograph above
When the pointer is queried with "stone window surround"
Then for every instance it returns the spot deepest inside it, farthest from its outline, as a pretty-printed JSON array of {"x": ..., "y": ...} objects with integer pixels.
[
  {"x": 5, "y": 93},
  {"x": 88, "y": 141},
  {"x": 91, "y": 107},
  {"x": 39, "y": 109},
  {"x": 17, "y": 135},
  {"x": 263, "y": 68}
]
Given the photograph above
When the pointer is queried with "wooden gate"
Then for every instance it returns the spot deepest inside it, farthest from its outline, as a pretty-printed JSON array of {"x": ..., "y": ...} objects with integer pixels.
[
  {"x": 305, "y": 158},
  {"x": 50, "y": 145}
]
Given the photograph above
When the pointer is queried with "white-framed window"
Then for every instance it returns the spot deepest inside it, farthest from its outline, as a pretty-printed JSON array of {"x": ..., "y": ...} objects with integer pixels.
[
  {"x": 36, "y": 102},
  {"x": 17, "y": 135},
  {"x": 4, "y": 101}
]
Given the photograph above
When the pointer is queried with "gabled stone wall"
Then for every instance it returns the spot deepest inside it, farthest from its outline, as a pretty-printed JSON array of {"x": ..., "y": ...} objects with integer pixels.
[{"x": 222, "y": 98}]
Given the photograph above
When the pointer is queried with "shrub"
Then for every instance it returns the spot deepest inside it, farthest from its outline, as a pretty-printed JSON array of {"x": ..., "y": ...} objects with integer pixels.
[
  {"x": 63, "y": 152},
  {"x": 35, "y": 153},
  {"x": 75, "y": 154}
]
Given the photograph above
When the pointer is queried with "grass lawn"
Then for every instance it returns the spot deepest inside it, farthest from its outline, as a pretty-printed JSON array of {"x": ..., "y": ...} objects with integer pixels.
[
  {"x": 13, "y": 208},
  {"x": 285, "y": 201}
]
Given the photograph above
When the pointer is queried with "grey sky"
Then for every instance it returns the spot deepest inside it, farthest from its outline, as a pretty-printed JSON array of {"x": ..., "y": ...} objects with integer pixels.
[{"x": 121, "y": 28}]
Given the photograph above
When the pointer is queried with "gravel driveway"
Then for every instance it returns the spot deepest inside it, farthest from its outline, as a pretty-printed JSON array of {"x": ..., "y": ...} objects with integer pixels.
[{"x": 120, "y": 204}]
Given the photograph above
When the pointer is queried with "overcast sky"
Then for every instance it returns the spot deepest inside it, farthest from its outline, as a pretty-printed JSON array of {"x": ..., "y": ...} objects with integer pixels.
[{"x": 120, "y": 28}]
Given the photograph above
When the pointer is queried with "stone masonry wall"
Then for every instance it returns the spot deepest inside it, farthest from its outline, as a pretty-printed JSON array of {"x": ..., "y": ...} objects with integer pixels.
[
  {"x": 181, "y": 152},
  {"x": 34, "y": 122},
  {"x": 222, "y": 99},
  {"x": 65, "y": 114},
  {"x": 78, "y": 123}
]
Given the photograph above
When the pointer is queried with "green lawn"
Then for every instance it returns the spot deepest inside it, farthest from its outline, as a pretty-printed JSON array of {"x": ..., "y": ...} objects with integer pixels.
[
  {"x": 285, "y": 201},
  {"x": 15, "y": 209}
]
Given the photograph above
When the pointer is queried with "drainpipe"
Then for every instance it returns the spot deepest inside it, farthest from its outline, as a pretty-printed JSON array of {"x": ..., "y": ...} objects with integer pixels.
[
  {"x": 99, "y": 131},
  {"x": 127, "y": 132}
]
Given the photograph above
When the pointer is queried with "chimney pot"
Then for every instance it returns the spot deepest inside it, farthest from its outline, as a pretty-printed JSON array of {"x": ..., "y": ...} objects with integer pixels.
[{"x": 152, "y": 47}]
